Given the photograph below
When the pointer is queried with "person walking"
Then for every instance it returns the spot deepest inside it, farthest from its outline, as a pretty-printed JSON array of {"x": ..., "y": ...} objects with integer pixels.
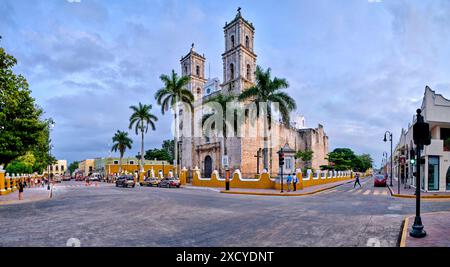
[
  {"x": 357, "y": 180},
  {"x": 295, "y": 181},
  {"x": 20, "y": 190},
  {"x": 289, "y": 181}
]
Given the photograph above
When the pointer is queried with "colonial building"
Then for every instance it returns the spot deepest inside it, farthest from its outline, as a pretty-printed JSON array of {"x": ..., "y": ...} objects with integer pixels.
[
  {"x": 435, "y": 167},
  {"x": 250, "y": 154},
  {"x": 59, "y": 168}
]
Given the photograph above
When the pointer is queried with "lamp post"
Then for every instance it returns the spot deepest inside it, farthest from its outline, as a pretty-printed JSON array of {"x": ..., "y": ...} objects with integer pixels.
[
  {"x": 52, "y": 125},
  {"x": 386, "y": 134},
  {"x": 421, "y": 136}
]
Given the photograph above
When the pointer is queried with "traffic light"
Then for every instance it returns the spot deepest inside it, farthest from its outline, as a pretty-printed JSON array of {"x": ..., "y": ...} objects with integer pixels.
[
  {"x": 281, "y": 157},
  {"x": 413, "y": 161}
]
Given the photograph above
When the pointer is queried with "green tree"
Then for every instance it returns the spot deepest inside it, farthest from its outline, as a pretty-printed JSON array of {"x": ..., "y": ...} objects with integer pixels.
[
  {"x": 365, "y": 162},
  {"x": 158, "y": 154},
  {"x": 18, "y": 167},
  {"x": 169, "y": 147},
  {"x": 171, "y": 96},
  {"x": 73, "y": 166},
  {"x": 267, "y": 90},
  {"x": 222, "y": 100},
  {"x": 342, "y": 158},
  {"x": 121, "y": 142},
  {"x": 305, "y": 156},
  {"x": 42, "y": 149},
  {"x": 20, "y": 124},
  {"x": 141, "y": 119}
]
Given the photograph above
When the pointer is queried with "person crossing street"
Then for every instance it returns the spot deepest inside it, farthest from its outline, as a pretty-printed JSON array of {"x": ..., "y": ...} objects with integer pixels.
[{"x": 357, "y": 180}]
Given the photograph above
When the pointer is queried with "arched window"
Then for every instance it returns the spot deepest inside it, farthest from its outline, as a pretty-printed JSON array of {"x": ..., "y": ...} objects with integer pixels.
[
  {"x": 185, "y": 70},
  {"x": 249, "y": 74},
  {"x": 197, "y": 70},
  {"x": 231, "y": 71},
  {"x": 247, "y": 42},
  {"x": 199, "y": 91},
  {"x": 232, "y": 41}
]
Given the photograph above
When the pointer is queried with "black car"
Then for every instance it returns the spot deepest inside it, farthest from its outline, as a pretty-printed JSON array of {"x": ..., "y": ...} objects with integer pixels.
[{"x": 125, "y": 181}]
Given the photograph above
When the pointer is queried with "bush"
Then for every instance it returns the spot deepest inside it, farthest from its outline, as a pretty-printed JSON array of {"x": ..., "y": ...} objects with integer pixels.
[{"x": 19, "y": 167}]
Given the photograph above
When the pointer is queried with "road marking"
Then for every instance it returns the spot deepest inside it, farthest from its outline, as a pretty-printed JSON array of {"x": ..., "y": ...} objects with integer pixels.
[
  {"x": 351, "y": 190},
  {"x": 376, "y": 192},
  {"x": 395, "y": 207},
  {"x": 373, "y": 242},
  {"x": 384, "y": 193},
  {"x": 367, "y": 192},
  {"x": 357, "y": 192}
]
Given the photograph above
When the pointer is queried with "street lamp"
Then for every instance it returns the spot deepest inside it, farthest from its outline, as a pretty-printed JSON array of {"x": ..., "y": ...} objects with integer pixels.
[
  {"x": 52, "y": 125},
  {"x": 386, "y": 134}
]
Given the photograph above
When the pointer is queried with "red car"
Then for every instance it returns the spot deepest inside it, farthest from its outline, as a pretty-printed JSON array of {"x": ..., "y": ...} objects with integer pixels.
[{"x": 379, "y": 180}]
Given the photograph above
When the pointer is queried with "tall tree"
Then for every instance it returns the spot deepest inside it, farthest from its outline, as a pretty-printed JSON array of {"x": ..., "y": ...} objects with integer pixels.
[
  {"x": 342, "y": 158},
  {"x": 222, "y": 100},
  {"x": 173, "y": 94},
  {"x": 141, "y": 119},
  {"x": 121, "y": 142},
  {"x": 169, "y": 147},
  {"x": 20, "y": 124},
  {"x": 305, "y": 156},
  {"x": 267, "y": 90},
  {"x": 73, "y": 166}
]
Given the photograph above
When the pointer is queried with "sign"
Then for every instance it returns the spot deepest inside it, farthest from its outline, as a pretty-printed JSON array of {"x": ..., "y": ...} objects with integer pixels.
[{"x": 225, "y": 161}]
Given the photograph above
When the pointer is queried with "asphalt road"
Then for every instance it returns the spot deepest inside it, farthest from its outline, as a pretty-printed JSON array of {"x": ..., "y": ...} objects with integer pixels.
[{"x": 141, "y": 216}]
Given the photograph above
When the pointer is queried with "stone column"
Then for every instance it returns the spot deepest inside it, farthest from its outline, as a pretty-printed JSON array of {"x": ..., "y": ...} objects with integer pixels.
[
  {"x": 2, "y": 181},
  {"x": 8, "y": 184}
]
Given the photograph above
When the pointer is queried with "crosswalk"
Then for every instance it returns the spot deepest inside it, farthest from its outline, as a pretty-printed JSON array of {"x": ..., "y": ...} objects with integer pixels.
[{"x": 359, "y": 191}]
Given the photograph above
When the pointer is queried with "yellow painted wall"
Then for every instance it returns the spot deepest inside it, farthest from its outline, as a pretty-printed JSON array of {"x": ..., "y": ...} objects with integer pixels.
[
  {"x": 113, "y": 168},
  {"x": 264, "y": 182}
]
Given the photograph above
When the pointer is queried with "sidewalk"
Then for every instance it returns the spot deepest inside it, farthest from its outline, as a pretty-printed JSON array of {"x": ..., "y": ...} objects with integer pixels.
[
  {"x": 409, "y": 192},
  {"x": 29, "y": 195},
  {"x": 272, "y": 192},
  {"x": 437, "y": 226}
]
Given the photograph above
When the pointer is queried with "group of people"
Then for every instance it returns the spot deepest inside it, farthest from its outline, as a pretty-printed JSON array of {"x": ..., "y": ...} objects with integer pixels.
[{"x": 292, "y": 179}]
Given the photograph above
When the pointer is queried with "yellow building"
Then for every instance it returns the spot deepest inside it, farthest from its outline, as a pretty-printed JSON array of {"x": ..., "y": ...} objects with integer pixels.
[
  {"x": 87, "y": 166},
  {"x": 108, "y": 166}
]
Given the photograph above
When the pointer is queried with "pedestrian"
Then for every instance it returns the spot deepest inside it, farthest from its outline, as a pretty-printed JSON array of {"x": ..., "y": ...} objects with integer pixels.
[
  {"x": 289, "y": 181},
  {"x": 357, "y": 180},
  {"x": 20, "y": 190},
  {"x": 295, "y": 181}
]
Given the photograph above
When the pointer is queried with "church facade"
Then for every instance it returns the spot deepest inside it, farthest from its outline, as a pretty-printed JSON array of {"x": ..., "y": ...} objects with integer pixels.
[{"x": 252, "y": 154}]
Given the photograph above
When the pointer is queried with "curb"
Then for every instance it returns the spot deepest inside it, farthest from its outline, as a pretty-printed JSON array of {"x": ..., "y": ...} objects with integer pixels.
[
  {"x": 284, "y": 194},
  {"x": 404, "y": 231},
  {"x": 413, "y": 196}
]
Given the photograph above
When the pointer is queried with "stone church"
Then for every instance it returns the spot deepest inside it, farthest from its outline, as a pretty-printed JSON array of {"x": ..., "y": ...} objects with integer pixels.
[{"x": 250, "y": 154}]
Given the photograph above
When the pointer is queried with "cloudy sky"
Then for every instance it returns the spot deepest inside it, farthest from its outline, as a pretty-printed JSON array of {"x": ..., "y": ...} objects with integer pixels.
[{"x": 359, "y": 67}]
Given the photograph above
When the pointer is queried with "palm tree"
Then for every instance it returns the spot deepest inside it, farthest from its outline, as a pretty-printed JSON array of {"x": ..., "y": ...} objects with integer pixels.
[
  {"x": 121, "y": 142},
  {"x": 222, "y": 100},
  {"x": 170, "y": 96},
  {"x": 141, "y": 119},
  {"x": 267, "y": 90}
]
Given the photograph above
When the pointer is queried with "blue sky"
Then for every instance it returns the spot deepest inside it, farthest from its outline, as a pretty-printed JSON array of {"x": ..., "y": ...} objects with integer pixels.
[{"x": 359, "y": 67}]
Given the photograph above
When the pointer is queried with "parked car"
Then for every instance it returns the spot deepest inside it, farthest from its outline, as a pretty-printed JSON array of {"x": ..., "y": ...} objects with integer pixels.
[
  {"x": 125, "y": 181},
  {"x": 57, "y": 179},
  {"x": 94, "y": 177},
  {"x": 169, "y": 182},
  {"x": 150, "y": 182},
  {"x": 66, "y": 178},
  {"x": 379, "y": 180}
]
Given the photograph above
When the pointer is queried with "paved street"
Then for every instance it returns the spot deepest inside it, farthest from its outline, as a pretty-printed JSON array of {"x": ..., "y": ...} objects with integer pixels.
[{"x": 108, "y": 216}]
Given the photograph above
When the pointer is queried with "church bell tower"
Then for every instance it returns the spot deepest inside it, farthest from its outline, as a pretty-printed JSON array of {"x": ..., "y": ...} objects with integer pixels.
[{"x": 239, "y": 59}]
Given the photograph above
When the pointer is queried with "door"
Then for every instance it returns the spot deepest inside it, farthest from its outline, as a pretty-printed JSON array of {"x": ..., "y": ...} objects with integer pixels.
[
  {"x": 433, "y": 173},
  {"x": 208, "y": 167}
]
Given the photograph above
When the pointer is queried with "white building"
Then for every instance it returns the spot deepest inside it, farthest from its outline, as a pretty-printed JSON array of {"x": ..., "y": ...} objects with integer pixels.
[
  {"x": 59, "y": 168},
  {"x": 435, "y": 173}
]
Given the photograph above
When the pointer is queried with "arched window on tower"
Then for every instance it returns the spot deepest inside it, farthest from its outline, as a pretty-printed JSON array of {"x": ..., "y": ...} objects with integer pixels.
[
  {"x": 247, "y": 42},
  {"x": 232, "y": 41},
  {"x": 185, "y": 69},
  {"x": 199, "y": 91},
  {"x": 231, "y": 71},
  {"x": 249, "y": 73},
  {"x": 197, "y": 70}
]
